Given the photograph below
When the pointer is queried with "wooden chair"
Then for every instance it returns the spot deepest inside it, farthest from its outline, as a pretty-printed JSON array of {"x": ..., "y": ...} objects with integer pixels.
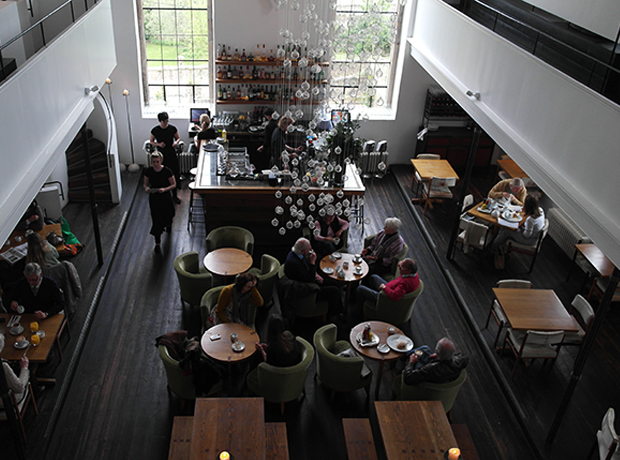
[
  {"x": 599, "y": 286},
  {"x": 417, "y": 180},
  {"x": 438, "y": 189},
  {"x": 530, "y": 250},
  {"x": 607, "y": 440},
  {"x": 584, "y": 317},
  {"x": 496, "y": 311},
  {"x": 533, "y": 345},
  {"x": 20, "y": 407},
  {"x": 472, "y": 235}
]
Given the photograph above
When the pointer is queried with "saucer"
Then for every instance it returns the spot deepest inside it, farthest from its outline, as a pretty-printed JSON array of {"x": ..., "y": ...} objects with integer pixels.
[
  {"x": 328, "y": 270},
  {"x": 238, "y": 346},
  {"x": 383, "y": 348},
  {"x": 17, "y": 330},
  {"x": 357, "y": 260},
  {"x": 23, "y": 345},
  {"x": 337, "y": 255}
]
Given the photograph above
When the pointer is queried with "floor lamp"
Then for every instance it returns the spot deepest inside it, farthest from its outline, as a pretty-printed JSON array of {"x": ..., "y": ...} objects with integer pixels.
[{"x": 133, "y": 167}]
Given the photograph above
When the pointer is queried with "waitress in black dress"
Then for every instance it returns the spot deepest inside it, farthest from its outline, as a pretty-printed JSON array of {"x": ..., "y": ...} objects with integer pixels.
[{"x": 158, "y": 182}]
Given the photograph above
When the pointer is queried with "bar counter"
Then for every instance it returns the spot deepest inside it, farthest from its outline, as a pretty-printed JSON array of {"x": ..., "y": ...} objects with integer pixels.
[{"x": 251, "y": 203}]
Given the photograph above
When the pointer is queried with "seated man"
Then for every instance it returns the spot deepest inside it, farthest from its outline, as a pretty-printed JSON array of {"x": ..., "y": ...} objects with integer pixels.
[
  {"x": 384, "y": 246},
  {"x": 32, "y": 219},
  {"x": 329, "y": 228},
  {"x": 37, "y": 294},
  {"x": 510, "y": 188},
  {"x": 300, "y": 266},
  {"x": 443, "y": 366},
  {"x": 408, "y": 281}
]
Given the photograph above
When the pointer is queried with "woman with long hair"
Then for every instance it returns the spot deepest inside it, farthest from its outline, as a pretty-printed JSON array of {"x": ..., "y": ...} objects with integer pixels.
[
  {"x": 159, "y": 181},
  {"x": 232, "y": 304},
  {"x": 206, "y": 131},
  {"x": 528, "y": 232},
  {"x": 41, "y": 251},
  {"x": 282, "y": 348}
]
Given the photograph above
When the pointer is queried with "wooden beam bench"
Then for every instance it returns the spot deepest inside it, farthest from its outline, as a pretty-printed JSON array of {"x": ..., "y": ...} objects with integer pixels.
[
  {"x": 276, "y": 443},
  {"x": 465, "y": 442},
  {"x": 359, "y": 440},
  {"x": 181, "y": 438}
]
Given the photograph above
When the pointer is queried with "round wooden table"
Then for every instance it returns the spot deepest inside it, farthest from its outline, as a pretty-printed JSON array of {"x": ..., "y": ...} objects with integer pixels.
[
  {"x": 350, "y": 277},
  {"x": 380, "y": 329},
  {"x": 228, "y": 261},
  {"x": 221, "y": 349}
]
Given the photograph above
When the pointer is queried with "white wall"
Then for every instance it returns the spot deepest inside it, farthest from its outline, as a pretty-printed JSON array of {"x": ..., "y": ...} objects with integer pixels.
[
  {"x": 44, "y": 106},
  {"x": 561, "y": 133},
  {"x": 9, "y": 28},
  {"x": 599, "y": 16}
]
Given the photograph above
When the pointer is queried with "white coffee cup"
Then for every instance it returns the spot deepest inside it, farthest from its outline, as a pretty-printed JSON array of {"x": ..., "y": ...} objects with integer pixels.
[{"x": 20, "y": 309}]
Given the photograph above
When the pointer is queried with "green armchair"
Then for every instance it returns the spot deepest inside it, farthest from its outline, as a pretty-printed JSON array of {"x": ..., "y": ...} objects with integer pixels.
[
  {"x": 426, "y": 391},
  {"x": 342, "y": 374},
  {"x": 209, "y": 300},
  {"x": 281, "y": 384},
  {"x": 299, "y": 299},
  {"x": 230, "y": 237},
  {"x": 267, "y": 276},
  {"x": 397, "y": 258},
  {"x": 180, "y": 384},
  {"x": 194, "y": 280},
  {"x": 393, "y": 312}
]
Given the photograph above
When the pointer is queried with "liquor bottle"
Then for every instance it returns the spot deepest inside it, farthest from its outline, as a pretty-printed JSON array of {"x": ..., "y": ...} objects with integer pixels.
[
  {"x": 257, "y": 55},
  {"x": 254, "y": 73},
  {"x": 229, "y": 73},
  {"x": 241, "y": 74},
  {"x": 271, "y": 57},
  {"x": 247, "y": 74},
  {"x": 262, "y": 93},
  {"x": 219, "y": 92},
  {"x": 250, "y": 56},
  {"x": 243, "y": 56},
  {"x": 219, "y": 52},
  {"x": 228, "y": 55},
  {"x": 223, "y": 94},
  {"x": 223, "y": 56},
  {"x": 236, "y": 55},
  {"x": 295, "y": 74},
  {"x": 262, "y": 73},
  {"x": 265, "y": 56},
  {"x": 238, "y": 92},
  {"x": 220, "y": 74},
  {"x": 229, "y": 96},
  {"x": 235, "y": 73}
]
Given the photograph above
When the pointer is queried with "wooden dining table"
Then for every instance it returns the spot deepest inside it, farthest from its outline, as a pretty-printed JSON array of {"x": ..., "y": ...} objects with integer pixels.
[
  {"x": 534, "y": 309},
  {"x": 414, "y": 430},
  {"x": 235, "y": 425},
  {"x": 427, "y": 169},
  {"x": 595, "y": 257},
  {"x": 351, "y": 277},
  {"x": 512, "y": 168},
  {"x": 228, "y": 262},
  {"x": 380, "y": 329},
  {"x": 489, "y": 219}
]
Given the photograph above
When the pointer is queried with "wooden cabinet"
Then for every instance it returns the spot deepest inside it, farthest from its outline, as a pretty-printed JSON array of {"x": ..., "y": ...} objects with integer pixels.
[{"x": 453, "y": 145}]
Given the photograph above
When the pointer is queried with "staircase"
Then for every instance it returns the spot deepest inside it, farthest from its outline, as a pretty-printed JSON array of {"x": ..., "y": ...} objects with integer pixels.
[{"x": 78, "y": 181}]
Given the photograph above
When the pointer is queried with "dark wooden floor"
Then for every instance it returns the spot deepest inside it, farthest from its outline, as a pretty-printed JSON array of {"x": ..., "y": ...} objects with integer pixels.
[{"x": 116, "y": 404}]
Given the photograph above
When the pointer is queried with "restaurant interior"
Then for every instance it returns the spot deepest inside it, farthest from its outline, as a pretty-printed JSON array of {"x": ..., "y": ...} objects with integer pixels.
[{"x": 103, "y": 391}]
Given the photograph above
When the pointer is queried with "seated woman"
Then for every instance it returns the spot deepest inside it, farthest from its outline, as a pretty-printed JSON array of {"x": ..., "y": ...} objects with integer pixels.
[
  {"x": 32, "y": 219},
  {"x": 17, "y": 385},
  {"x": 206, "y": 131},
  {"x": 329, "y": 228},
  {"x": 282, "y": 348},
  {"x": 41, "y": 251},
  {"x": 528, "y": 232},
  {"x": 279, "y": 145},
  {"x": 232, "y": 304}
]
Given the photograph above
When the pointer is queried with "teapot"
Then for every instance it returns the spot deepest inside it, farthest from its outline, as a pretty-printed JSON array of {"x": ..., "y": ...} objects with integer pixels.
[{"x": 495, "y": 213}]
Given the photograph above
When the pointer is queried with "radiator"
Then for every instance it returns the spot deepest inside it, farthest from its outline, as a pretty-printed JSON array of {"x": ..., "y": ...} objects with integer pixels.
[
  {"x": 369, "y": 162},
  {"x": 565, "y": 232},
  {"x": 187, "y": 161}
]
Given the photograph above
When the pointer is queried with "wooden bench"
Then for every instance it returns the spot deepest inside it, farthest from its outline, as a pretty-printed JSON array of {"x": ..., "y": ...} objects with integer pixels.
[
  {"x": 276, "y": 443},
  {"x": 358, "y": 438},
  {"x": 181, "y": 438},
  {"x": 464, "y": 441}
]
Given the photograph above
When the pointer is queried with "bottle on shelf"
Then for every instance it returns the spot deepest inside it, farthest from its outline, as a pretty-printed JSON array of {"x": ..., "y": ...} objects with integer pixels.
[
  {"x": 235, "y": 56},
  {"x": 224, "y": 134},
  {"x": 247, "y": 74},
  {"x": 254, "y": 73},
  {"x": 223, "y": 56},
  {"x": 250, "y": 56},
  {"x": 271, "y": 57},
  {"x": 243, "y": 56},
  {"x": 218, "y": 53},
  {"x": 229, "y": 94},
  {"x": 219, "y": 93},
  {"x": 265, "y": 56},
  {"x": 238, "y": 94},
  {"x": 229, "y": 73},
  {"x": 220, "y": 74},
  {"x": 257, "y": 55},
  {"x": 241, "y": 74},
  {"x": 235, "y": 73},
  {"x": 228, "y": 54}
]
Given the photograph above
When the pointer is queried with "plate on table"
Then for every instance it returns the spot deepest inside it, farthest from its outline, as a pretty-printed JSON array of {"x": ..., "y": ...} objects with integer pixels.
[
  {"x": 23, "y": 345},
  {"x": 511, "y": 216},
  {"x": 400, "y": 343},
  {"x": 337, "y": 255},
  {"x": 238, "y": 346},
  {"x": 328, "y": 270},
  {"x": 357, "y": 260},
  {"x": 16, "y": 330},
  {"x": 370, "y": 343},
  {"x": 383, "y": 348},
  {"x": 358, "y": 271},
  {"x": 486, "y": 210}
]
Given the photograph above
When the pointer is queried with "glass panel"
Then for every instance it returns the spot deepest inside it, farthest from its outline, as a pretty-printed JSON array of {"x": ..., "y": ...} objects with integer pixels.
[
  {"x": 156, "y": 73},
  {"x": 156, "y": 94}
]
